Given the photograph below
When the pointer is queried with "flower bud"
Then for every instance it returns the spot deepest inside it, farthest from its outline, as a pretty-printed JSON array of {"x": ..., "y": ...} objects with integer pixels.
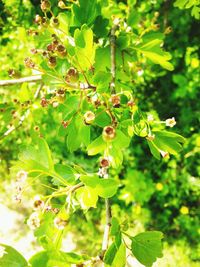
[
  {"x": 45, "y": 5},
  {"x": 109, "y": 133},
  {"x": 115, "y": 100},
  {"x": 89, "y": 117},
  {"x": 21, "y": 176},
  {"x": 61, "y": 5}
]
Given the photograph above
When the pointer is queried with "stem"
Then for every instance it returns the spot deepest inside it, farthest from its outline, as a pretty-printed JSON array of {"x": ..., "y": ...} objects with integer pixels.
[{"x": 105, "y": 241}]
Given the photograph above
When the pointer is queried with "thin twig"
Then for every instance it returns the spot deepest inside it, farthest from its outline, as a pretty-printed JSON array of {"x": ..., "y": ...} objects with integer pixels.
[
  {"x": 28, "y": 79},
  {"x": 36, "y": 95}
]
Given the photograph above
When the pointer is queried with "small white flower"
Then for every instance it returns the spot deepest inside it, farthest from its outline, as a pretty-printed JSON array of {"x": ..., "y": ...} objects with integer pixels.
[
  {"x": 150, "y": 137},
  {"x": 21, "y": 176},
  {"x": 102, "y": 173},
  {"x": 170, "y": 122},
  {"x": 38, "y": 203},
  {"x": 150, "y": 118},
  {"x": 60, "y": 223},
  {"x": 164, "y": 154},
  {"x": 140, "y": 72},
  {"x": 34, "y": 221},
  {"x": 2, "y": 251}
]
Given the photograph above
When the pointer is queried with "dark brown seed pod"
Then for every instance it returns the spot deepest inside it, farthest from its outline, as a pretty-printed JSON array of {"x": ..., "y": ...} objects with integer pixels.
[
  {"x": 72, "y": 75},
  {"x": 61, "y": 50},
  {"x": 52, "y": 62},
  {"x": 104, "y": 163},
  {"x": 51, "y": 47}
]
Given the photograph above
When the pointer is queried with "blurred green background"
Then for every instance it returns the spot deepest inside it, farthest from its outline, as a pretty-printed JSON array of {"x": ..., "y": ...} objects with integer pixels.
[{"x": 163, "y": 195}]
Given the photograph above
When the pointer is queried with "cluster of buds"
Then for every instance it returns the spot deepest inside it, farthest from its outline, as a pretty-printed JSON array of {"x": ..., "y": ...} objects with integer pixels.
[
  {"x": 115, "y": 100},
  {"x": 89, "y": 117},
  {"x": 21, "y": 178},
  {"x": 29, "y": 63},
  {"x": 32, "y": 32},
  {"x": 60, "y": 223},
  {"x": 72, "y": 76},
  {"x": 45, "y": 5},
  {"x": 42, "y": 21},
  {"x": 109, "y": 133}
]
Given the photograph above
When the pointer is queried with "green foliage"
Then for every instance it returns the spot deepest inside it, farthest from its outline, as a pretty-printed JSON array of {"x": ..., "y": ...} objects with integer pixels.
[
  {"x": 146, "y": 247},
  {"x": 11, "y": 258},
  {"x": 98, "y": 119}
]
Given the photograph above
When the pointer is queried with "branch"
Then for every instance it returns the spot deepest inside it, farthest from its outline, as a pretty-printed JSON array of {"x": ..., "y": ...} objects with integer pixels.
[
  {"x": 107, "y": 226},
  {"x": 28, "y": 79}
]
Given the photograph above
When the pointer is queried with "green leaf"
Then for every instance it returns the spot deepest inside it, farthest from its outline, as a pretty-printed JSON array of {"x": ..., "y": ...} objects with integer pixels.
[
  {"x": 40, "y": 259},
  {"x": 147, "y": 247},
  {"x": 153, "y": 51},
  {"x": 66, "y": 172},
  {"x": 110, "y": 254},
  {"x": 11, "y": 257},
  {"x": 120, "y": 257},
  {"x": 84, "y": 49},
  {"x": 63, "y": 22},
  {"x": 97, "y": 146},
  {"x": 121, "y": 140},
  {"x": 154, "y": 150},
  {"x": 85, "y": 12},
  {"x": 102, "y": 118},
  {"x": 52, "y": 258},
  {"x": 89, "y": 197},
  {"x": 105, "y": 188},
  {"x": 115, "y": 227},
  {"x": 37, "y": 157}
]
